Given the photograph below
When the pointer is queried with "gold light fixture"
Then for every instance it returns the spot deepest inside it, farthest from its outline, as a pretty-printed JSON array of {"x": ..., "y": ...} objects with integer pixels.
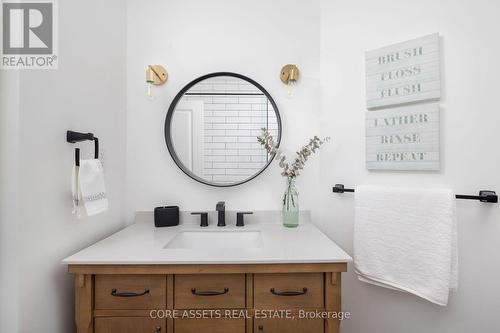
[
  {"x": 290, "y": 75},
  {"x": 155, "y": 75}
]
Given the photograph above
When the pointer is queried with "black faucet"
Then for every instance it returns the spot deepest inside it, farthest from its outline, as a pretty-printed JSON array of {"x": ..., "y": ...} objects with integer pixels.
[{"x": 221, "y": 210}]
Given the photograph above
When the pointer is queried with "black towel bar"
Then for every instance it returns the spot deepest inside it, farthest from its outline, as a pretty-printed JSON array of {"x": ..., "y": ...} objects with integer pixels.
[
  {"x": 484, "y": 196},
  {"x": 74, "y": 137}
]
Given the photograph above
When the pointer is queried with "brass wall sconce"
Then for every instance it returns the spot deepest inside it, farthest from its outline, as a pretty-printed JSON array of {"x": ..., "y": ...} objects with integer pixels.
[
  {"x": 290, "y": 75},
  {"x": 155, "y": 75}
]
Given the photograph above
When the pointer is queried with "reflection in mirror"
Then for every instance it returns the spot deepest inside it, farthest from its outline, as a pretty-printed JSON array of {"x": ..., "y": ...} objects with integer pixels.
[{"x": 214, "y": 126}]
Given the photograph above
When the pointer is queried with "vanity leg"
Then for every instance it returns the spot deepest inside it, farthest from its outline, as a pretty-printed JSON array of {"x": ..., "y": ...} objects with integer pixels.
[
  {"x": 332, "y": 300},
  {"x": 84, "y": 291}
]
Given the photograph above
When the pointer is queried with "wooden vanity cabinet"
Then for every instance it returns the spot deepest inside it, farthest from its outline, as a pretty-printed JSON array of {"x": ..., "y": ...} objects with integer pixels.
[
  {"x": 129, "y": 325},
  {"x": 209, "y": 325},
  {"x": 240, "y": 298},
  {"x": 289, "y": 325}
]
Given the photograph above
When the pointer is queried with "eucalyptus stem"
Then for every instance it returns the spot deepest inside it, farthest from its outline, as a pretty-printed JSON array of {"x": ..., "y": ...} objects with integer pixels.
[{"x": 291, "y": 170}]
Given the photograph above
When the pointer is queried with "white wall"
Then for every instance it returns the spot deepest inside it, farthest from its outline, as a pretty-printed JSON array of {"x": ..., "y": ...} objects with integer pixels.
[
  {"x": 195, "y": 37},
  {"x": 9, "y": 157},
  {"x": 86, "y": 93},
  {"x": 470, "y": 159}
]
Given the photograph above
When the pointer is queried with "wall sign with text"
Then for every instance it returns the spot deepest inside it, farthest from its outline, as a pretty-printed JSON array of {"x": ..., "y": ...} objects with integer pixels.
[
  {"x": 405, "y": 138},
  {"x": 403, "y": 73}
]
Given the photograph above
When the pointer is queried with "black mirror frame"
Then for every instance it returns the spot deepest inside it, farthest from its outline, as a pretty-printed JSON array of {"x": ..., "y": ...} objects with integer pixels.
[{"x": 171, "y": 109}]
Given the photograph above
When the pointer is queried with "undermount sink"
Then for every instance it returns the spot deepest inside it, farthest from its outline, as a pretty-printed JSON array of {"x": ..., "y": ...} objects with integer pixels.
[{"x": 220, "y": 239}]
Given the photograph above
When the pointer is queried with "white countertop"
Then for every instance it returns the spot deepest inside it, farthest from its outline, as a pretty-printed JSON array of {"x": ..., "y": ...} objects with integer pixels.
[{"x": 143, "y": 244}]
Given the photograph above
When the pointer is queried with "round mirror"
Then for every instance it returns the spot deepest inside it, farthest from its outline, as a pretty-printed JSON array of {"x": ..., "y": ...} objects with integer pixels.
[{"x": 212, "y": 127}]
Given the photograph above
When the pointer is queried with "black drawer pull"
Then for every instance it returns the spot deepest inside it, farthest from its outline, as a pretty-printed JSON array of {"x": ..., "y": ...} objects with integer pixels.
[
  {"x": 128, "y": 294},
  {"x": 209, "y": 293},
  {"x": 289, "y": 293},
  {"x": 158, "y": 329},
  {"x": 261, "y": 328}
]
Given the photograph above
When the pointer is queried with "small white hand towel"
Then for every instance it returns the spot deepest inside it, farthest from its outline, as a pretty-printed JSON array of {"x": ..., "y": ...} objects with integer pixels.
[
  {"x": 406, "y": 239},
  {"x": 75, "y": 190},
  {"x": 88, "y": 188}
]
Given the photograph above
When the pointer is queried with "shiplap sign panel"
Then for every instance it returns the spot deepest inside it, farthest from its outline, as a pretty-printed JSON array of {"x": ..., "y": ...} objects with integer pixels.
[
  {"x": 403, "y": 138},
  {"x": 403, "y": 73}
]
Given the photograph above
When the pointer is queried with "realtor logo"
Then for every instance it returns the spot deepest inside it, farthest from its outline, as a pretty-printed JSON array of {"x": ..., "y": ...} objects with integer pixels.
[{"x": 28, "y": 35}]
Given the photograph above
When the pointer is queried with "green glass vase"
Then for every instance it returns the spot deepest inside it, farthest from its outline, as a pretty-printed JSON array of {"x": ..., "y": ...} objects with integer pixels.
[{"x": 291, "y": 205}]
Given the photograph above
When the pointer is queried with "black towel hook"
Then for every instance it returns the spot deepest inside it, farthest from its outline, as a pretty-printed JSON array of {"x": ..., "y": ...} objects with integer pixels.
[{"x": 74, "y": 137}]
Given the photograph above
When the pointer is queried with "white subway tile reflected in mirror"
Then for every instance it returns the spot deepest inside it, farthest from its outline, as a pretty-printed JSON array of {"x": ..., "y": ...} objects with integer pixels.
[{"x": 214, "y": 129}]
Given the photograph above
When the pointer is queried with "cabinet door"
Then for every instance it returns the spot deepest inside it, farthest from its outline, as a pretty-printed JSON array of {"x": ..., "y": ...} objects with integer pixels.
[
  {"x": 129, "y": 325},
  {"x": 209, "y": 325},
  {"x": 289, "y": 326}
]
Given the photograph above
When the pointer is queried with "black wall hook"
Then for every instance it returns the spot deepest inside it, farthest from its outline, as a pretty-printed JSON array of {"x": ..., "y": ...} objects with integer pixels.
[
  {"x": 484, "y": 196},
  {"x": 74, "y": 137}
]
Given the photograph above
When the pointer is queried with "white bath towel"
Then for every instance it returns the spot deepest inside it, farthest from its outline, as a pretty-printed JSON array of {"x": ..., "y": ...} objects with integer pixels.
[
  {"x": 89, "y": 191},
  {"x": 406, "y": 239}
]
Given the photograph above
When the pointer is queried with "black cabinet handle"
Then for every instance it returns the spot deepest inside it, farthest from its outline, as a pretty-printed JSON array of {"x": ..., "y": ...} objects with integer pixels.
[
  {"x": 128, "y": 294},
  {"x": 288, "y": 293},
  {"x": 209, "y": 293},
  {"x": 158, "y": 329},
  {"x": 261, "y": 328}
]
